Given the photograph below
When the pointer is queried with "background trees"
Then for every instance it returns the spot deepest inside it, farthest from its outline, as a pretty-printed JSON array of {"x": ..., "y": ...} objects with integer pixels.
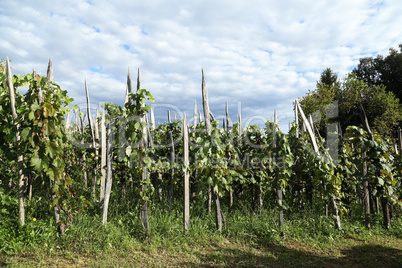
[
  {"x": 382, "y": 71},
  {"x": 376, "y": 84}
]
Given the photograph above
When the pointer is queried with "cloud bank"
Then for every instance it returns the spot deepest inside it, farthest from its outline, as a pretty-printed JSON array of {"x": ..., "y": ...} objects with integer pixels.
[{"x": 257, "y": 55}]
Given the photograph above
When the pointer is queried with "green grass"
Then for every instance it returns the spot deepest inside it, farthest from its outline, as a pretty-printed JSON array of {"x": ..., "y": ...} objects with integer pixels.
[{"x": 250, "y": 240}]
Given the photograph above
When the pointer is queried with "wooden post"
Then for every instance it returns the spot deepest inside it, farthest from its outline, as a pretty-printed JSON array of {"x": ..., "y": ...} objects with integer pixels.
[
  {"x": 20, "y": 159},
  {"x": 50, "y": 71},
  {"x": 308, "y": 127},
  {"x": 96, "y": 126},
  {"x": 172, "y": 160},
  {"x": 207, "y": 114},
  {"x": 56, "y": 209},
  {"x": 144, "y": 145},
  {"x": 227, "y": 117},
  {"x": 240, "y": 143},
  {"x": 278, "y": 185},
  {"x": 195, "y": 114},
  {"x": 29, "y": 179},
  {"x": 227, "y": 131},
  {"x": 299, "y": 192},
  {"x": 186, "y": 212},
  {"x": 109, "y": 174},
  {"x": 129, "y": 84},
  {"x": 77, "y": 123},
  {"x": 315, "y": 147},
  {"x": 153, "y": 125},
  {"x": 67, "y": 125},
  {"x": 103, "y": 159},
  {"x": 84, "y": 158},
  {"x": 205, "y": 103},
  {"x": 126, "y": 97},
  {"x": 94, "y": 170},
  {"x": 400, "y": 139},
  {"x": 366, "y": 192},
  {"x": 296, "y": 120},
  {"x": 240, "y": 125}
]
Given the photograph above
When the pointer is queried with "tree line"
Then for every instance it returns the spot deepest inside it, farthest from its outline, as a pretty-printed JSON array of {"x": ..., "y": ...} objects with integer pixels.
[{"x": 375, "y": 83}]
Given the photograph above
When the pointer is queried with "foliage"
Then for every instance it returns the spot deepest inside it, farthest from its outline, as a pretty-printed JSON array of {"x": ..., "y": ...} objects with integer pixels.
[
  {"x": 341, "y": 103},
  {"x": 382, "y": 70}
]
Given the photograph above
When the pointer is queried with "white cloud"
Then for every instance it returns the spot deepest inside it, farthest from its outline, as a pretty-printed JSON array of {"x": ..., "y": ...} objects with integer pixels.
[{"x": 263, "y": 54}]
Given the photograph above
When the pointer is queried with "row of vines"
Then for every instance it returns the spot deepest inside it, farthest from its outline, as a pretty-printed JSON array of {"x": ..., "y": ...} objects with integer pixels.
[{"x": 123, "y": 158}]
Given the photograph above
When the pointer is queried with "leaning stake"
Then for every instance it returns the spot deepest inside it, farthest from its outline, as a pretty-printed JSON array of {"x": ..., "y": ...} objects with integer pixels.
[
  {"x": 109, "y": 176},
  {"x": 94, "y": 171},
  {"x": 21, "y": 178},
  {"x": 207, "y": 114}
]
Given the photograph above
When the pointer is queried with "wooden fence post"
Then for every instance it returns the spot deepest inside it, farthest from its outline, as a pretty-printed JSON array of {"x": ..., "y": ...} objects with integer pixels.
[
  {"x": 186, "y": 205},
  {"x": 227, "y": 131},
  {"x": 195, "y": 115},
  {"x": 172, "y": 161},
  {"x": 103, "y": 160},
  {"x": 20, "y": 159},
  {"x": 109, "y": 175},
  {"x": 207, "y": 115},
  {"x": 315, "y": 147},
  {"x": 91, "y": 128},
  {"x": 145, "y": 174},
  {"x": 56, "y": 209},
  {"x": 278, "y": 185}
]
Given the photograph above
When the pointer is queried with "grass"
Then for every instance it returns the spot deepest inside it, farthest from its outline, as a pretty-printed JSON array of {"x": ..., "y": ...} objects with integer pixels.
[{"x": 250, "y": 240}]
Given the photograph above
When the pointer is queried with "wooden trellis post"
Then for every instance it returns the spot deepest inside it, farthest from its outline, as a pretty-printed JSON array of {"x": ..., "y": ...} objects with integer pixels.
[
  {"x": 227, "y": 131},
  {"x": 20, "y": 159},
  {"x": 186, "y": 205},
  {"x": 278, "y": 185},
  {"x": 315, "y": 147},
  {"x": 195, "y": 115},
  {"x": 91, "y": 128},
  {"x": 207, "y": 114},
  {"x": 56, "y": 209},
  {"x": 109, "y": 175},
  {"x": 172, "y": 161},
  {"x": 103, "y": 159},
  {"x": 145, "y": 174}
]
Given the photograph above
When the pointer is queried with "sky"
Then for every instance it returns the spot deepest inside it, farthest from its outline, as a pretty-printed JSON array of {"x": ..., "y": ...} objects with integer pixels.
[{"x": 258, "y": 55}]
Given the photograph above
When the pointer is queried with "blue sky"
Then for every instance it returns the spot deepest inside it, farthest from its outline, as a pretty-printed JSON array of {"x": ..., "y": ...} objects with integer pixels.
[{"x": 258, "y": 55}]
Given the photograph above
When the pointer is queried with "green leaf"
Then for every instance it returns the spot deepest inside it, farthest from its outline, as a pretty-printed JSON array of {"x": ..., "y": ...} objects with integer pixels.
[
  {"x": 31, "y": 115},
  {"x": 36, "y": 162},
  {"x": 128, "y": 150},
  {"x": 150, "y": 97},
  {"x": 52, "y": 149},
  {"x": 25, "y": 133},
  {"x": 210, "y": 181}
]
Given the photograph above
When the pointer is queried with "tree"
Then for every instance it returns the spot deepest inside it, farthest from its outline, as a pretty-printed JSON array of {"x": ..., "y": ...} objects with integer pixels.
[
  {"x": 384, "y": 111},
  {"x": 382, "y": 71},
  {"x": 316, "y": 102},
  {"x": 328, "y": 78},
  {"x": 3, "y": 65}
]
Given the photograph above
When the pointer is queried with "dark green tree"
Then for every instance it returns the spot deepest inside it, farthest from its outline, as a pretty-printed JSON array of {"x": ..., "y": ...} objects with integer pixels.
[
  {"x": 319, "y": 101},
  {"x": 383, "y": 109},
  {"x": 382, "y": 71},
  {"x": 328, "y": 78}
]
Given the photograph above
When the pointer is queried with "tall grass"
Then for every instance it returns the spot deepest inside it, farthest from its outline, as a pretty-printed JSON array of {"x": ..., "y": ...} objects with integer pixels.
[{"x": 124, "y": 230}]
